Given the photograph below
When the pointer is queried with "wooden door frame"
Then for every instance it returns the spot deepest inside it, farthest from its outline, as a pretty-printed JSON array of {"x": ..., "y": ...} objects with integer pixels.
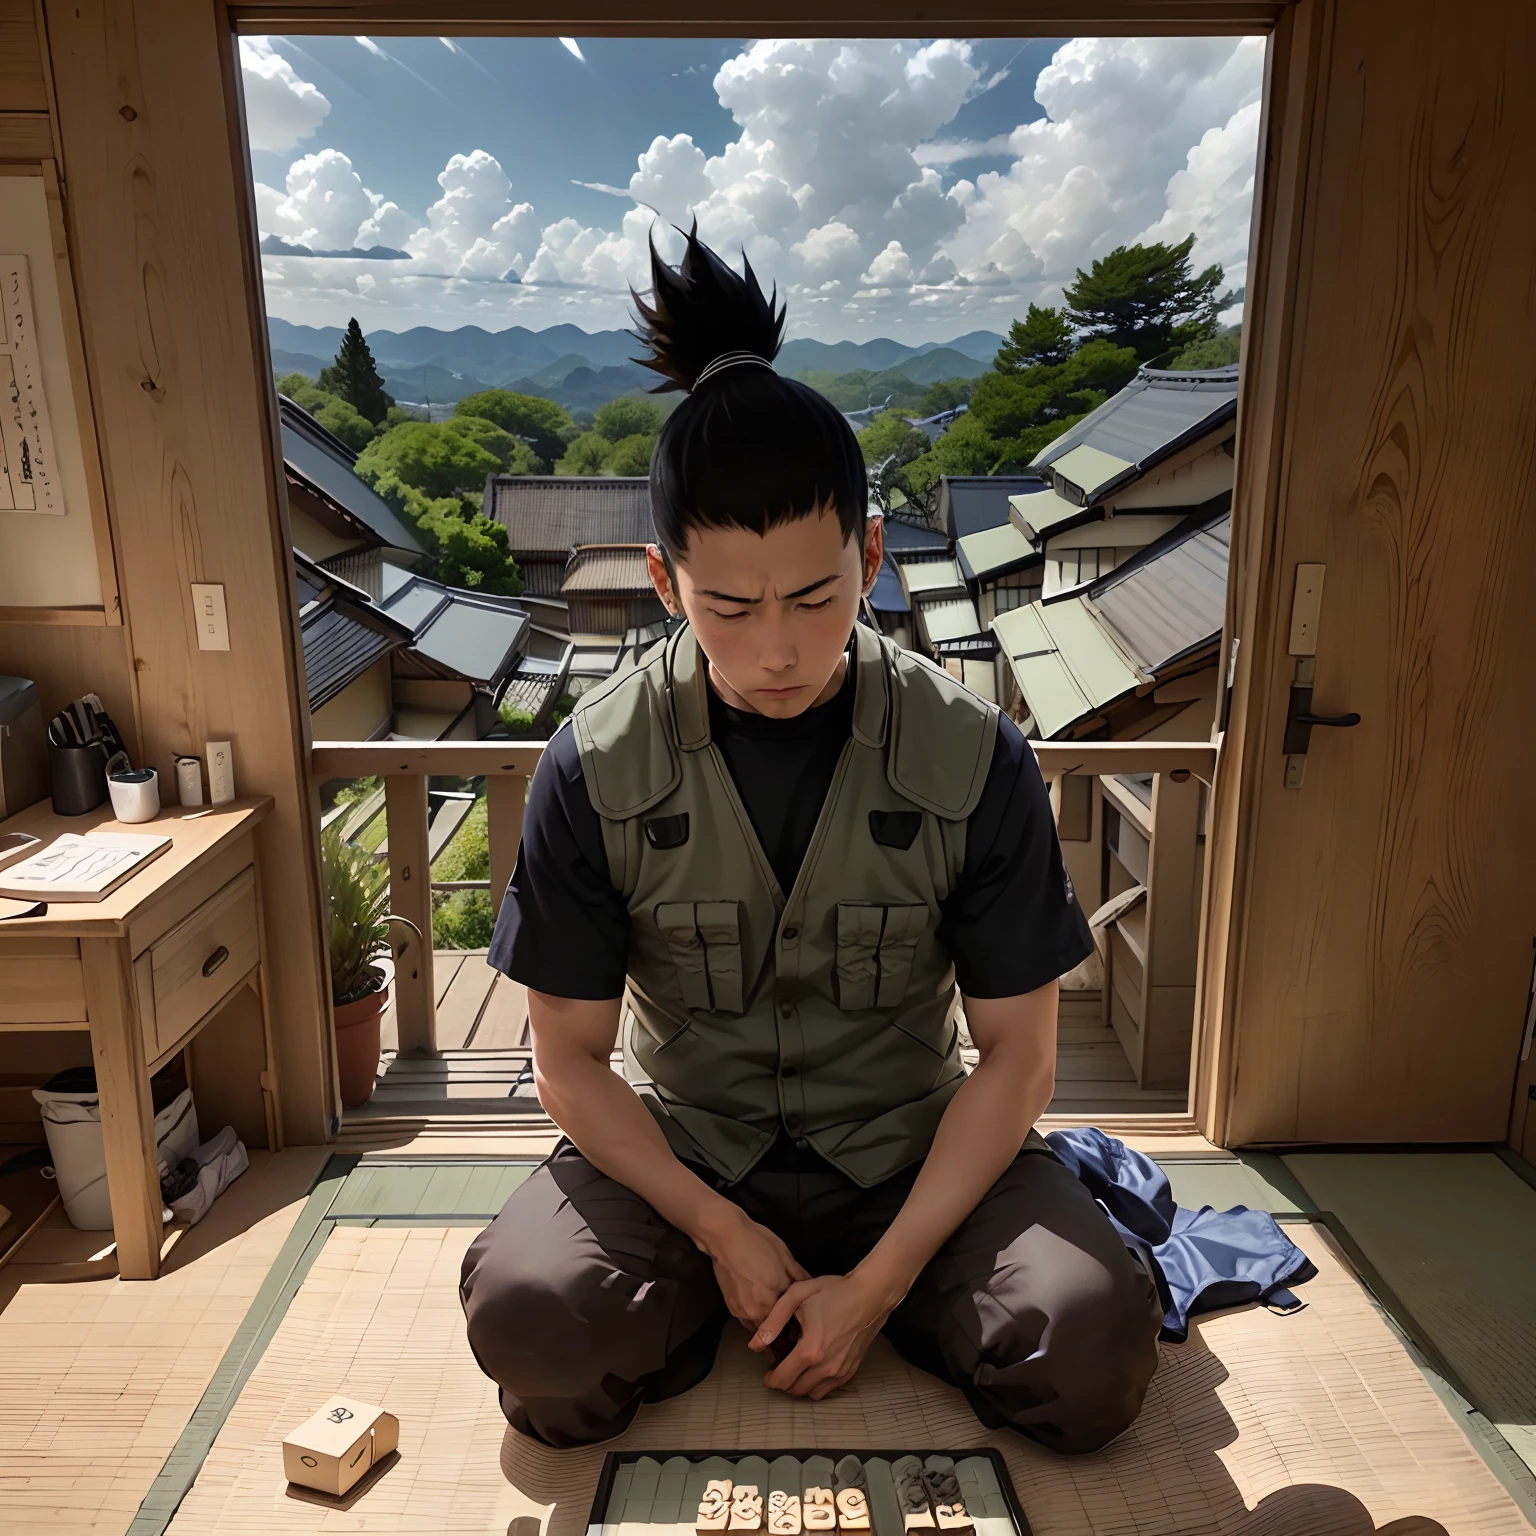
[{"x": 1295, "y": 32}]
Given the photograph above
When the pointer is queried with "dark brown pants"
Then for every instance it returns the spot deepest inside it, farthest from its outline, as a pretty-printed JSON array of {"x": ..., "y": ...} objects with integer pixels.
[{"x": 582, "y": 1302}]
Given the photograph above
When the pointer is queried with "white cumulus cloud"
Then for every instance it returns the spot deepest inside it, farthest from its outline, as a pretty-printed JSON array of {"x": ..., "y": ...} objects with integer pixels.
[
  {"x": 281, "y": 110},
  {"x": 841, "y": 186}
]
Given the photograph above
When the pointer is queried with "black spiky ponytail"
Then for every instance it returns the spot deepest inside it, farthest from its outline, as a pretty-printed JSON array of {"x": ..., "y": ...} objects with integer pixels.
[{"x": 749, "y": 448}]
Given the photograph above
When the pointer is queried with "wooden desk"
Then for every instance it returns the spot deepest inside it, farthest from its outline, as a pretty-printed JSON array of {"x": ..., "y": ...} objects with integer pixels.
[{"x": 143, "y": 971}]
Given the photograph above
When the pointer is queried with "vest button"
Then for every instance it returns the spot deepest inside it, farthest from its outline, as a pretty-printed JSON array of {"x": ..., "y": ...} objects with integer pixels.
[
  {"x": 790, "y": 934},
  {"x": 801, "y": 1144},
  {"x": 786, "y": 1009},
  {"x": 786, "y": 1071}
]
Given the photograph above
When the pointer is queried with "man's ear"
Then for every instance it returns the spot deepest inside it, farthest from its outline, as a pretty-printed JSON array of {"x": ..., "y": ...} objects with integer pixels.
[
  {"x": 874, "y": 550},
  {"x": 661, "y": 578}
]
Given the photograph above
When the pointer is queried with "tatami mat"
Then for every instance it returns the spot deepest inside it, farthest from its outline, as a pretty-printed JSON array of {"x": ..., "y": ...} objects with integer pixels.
[
  {"x": 1317, "y": 1424},
  {"x": 1453, "y": 1234}
]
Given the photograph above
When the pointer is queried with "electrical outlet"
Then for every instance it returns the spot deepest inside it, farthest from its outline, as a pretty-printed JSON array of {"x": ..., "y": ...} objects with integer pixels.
[{"x": 212, "y": 620}]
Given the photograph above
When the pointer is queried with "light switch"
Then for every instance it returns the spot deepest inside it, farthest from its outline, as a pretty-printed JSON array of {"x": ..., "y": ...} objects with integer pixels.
[
  {"x": 212, "y": 621},
  {"x": 1306, "y": 610}
]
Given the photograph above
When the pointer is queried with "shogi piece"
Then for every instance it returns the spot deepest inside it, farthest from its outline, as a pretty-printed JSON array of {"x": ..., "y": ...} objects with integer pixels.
[
  {"x": 715, "y": 1507},
  {"x": 819, "y": 1511},
  {"x": 333, "y": 1449},
  {"x": 783, "y": 1513},
  {"x": 852, "y": 1509},
  {"x": 746, "y": 1508},
  {"x": 912, "y": 1494},
  {"x": 943, "y": 1488}
]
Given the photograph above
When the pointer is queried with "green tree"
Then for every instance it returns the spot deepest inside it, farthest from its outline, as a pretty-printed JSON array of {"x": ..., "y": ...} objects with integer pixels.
[
  {"x": 630, "y": 455},
  {"x": 1147, "y": 298},
  {"x": 943, "y": 395},
  {"x": 1219, "y": 351},
  {"x": 355, "y": 378},
  {"x": 584, "y": 455},
  {"x": 1042, "y": 336},
  {"x": 470, "y": 551},
  {"x": 336, "y": 415},
  {"x": 541, "y": 423},
  {"x": 430, "y": 457},
  {"x": 889, "y": 443},
  {"x": 627, "y": 417},
  {"x": 514, "y": 455}
]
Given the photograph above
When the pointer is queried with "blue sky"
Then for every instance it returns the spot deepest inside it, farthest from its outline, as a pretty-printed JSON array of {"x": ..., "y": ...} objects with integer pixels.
[{"x": 910, "y": 188}]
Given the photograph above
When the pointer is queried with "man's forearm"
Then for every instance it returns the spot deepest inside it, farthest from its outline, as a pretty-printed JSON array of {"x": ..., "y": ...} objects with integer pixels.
[
  {"x": 615, "y": 1132},
  {"x": 979, "y": 1135}
]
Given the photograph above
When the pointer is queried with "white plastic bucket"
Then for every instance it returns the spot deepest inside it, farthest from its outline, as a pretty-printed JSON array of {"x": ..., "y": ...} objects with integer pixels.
[{"x": 72, "y": 1123}]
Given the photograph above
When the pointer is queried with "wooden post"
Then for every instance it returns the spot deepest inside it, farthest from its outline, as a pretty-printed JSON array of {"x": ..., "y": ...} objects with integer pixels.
[
  {"x": 505, "y": 796},
  {"x": 127, "y": 1115},
  {"x": 1173, "y": 896},
  {"x": 410, "y": 896}
]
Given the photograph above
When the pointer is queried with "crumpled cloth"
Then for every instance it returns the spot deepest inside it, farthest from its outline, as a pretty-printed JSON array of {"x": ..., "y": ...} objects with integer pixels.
[
  {"x": 206, "y": 1174},
  {"x": 1201, "y": 1260}
]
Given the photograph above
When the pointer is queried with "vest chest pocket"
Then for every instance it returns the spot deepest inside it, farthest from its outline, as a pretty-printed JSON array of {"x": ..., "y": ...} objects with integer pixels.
[
  {"x": 704, "y": 939},
  {"x": 876, "y": 945}
]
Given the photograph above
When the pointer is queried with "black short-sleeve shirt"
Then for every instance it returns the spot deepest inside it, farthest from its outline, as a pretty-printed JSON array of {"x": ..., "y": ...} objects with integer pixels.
[{"x": 1011, "y": 923}]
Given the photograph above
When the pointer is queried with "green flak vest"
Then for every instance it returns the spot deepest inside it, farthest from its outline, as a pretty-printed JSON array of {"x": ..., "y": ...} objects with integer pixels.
[{"x": 829, "y": 1009}]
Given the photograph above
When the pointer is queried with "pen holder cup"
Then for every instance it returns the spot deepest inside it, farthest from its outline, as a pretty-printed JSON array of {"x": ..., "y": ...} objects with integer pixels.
[
  {"x": 78, "y": 777},
  {"x": 135, "y": 794}
]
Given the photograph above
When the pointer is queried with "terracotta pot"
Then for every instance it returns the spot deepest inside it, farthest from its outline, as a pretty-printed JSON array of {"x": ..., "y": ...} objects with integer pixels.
[{"x": 357, "y": 1042}]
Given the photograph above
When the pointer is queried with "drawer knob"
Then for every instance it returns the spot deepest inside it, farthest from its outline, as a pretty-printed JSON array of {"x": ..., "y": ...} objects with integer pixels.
[{"x": 215, "y": 960}]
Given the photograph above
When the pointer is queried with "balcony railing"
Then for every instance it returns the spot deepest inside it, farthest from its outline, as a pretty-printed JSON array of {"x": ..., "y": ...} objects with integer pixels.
[{"x": 1149, "y": 962}]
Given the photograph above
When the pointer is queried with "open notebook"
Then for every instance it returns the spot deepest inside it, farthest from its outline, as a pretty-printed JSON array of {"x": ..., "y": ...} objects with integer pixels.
[{"x": 81, "y": 866}]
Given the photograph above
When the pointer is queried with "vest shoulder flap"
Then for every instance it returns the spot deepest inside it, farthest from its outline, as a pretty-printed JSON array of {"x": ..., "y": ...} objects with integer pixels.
[
  {"x": 942, "y": 737},
  {"x": 624, "y": 738}
]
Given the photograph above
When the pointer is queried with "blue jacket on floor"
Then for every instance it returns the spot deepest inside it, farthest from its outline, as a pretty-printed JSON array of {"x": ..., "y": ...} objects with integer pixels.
[{"x": 1202, "y": 1260}]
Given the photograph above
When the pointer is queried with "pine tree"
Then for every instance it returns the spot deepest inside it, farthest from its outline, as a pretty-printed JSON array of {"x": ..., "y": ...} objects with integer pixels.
[
  {"x": 355, "y": 377},
  {"x": 1042, "y": 336},
  {"x": 1146, "y": 297}
]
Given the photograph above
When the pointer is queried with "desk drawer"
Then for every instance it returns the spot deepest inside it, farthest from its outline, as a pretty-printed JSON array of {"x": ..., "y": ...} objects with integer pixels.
[
  {"x": 198, "y": 963},
  {"x": 41, "y": 981}
]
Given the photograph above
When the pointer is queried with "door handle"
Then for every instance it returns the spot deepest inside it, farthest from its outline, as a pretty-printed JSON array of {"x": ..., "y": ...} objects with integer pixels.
[
  {"x": 1300, "y": 719},
  {"x": 215, "y": 960},
  {"x": 1349, "y": 719}
]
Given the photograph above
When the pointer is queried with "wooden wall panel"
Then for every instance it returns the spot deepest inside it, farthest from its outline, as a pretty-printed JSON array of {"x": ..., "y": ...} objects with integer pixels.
[
  {"x": 22, "y": 88},
  {"x": 156, "y": 207},
  {"x": 65, "y": 660},
  {"x": 1384, "y": 913}
]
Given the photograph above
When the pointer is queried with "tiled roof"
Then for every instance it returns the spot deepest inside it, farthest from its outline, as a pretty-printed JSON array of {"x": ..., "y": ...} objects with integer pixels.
[
  {"x": 1066, "y": 666},
  {"x": 1170, "y": 599},
  {"x": 922, "y": 578},
  {"x": 949, "y": 618},
  {"x": 971, "y": 503},
  {"x": 552, "y": 514},
  {"x": 1076, "y": 655},
  {"x": 613, "y": 570},
  {"x": 903, "y": 538},
  {"x": 887, "y": 596},
  {"x": 341, "y": 632},
  {"x": 323, "y": 465},
  {"x": 994, "y": 551},
  {"x": 472, "y": 635},
  {"x": 1156, "y": 414}
]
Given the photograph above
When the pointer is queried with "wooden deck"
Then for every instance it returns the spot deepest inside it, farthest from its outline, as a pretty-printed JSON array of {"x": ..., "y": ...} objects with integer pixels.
[
  {"x": 482, "y": 1069},
  {"x": 477, "y": 1008}
]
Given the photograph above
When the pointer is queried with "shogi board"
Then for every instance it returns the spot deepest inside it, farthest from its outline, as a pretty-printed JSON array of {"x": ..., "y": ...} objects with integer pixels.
[{"x": 657, "y": 1493}]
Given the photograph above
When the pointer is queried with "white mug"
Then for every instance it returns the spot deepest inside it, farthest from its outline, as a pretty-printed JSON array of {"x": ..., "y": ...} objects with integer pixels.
[{"x": 135, "y": 794}]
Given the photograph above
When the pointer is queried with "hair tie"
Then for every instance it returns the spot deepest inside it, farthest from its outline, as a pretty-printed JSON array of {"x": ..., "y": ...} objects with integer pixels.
[{"x": 730, "y": 360}]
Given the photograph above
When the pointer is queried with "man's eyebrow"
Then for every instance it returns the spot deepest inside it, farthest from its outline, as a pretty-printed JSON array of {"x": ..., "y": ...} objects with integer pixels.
[{"x": 789, "y": 597}]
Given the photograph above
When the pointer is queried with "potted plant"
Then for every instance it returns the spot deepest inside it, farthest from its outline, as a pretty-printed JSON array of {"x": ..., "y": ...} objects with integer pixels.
[{"x": 357, "y": 896}]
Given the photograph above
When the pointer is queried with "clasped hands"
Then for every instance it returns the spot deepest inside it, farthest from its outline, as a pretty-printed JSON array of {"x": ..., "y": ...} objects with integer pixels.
[{"x": 764, "y": 1286}]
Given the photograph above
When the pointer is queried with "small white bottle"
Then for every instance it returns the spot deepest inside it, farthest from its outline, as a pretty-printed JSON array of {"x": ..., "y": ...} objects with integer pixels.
[{"x": 189, "y": 780}]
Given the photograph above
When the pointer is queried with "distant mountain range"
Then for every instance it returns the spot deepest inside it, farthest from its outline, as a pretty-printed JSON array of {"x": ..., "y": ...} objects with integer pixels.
[{"x": 579, "y": 369}]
